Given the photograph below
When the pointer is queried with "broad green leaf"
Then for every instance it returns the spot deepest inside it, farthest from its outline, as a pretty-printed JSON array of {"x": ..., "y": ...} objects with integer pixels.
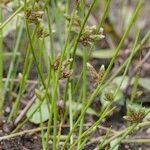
[
  {"x": 37, "y": 117},
  {"x": 113, "y": 143},
  {"x": 118, "y": 79},
  {"x": 119, "y": 98},
  {"x": 99, "y": 54},
  {"x": 78, "y": 107},
  {"x": 143, "y": 82}
]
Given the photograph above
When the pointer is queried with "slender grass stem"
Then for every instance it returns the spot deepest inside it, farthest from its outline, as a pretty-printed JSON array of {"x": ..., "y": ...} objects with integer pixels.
[
  {"x": 137, "y": 141},
  {"x": 67, "y": 12},
  {"x": 100, "y": 24},
  {"x": 83, "y": 143},
  {"x": 97, "y": 90},
  {"x": 105, "y": 137},
  {"x": 134, "y": 89},
  {"x": 11, "y": 17},
  {"x": 147, "y": 36},
  {"x": 12, "y": 135},
  {"x": 1, "y": 66},
  {"x": 84, "y": 93},
  {"x": 128, "y": 64},
  {"x": 51, "y": 35},
  {"x": 12, "y": 64},
  {"x": 93, "y": 127},
  {"x": 124, "y": 135},
  {"x": 80, "y": 32},
  {"x": 57, "y": 17},
  {"x": 70, "y": 111},
  {"x": 65, "y": 41},
  {"x": 56, "y": 81},
  {"x": 26, "y": 68},
  {"x": 124, "y": 132}
]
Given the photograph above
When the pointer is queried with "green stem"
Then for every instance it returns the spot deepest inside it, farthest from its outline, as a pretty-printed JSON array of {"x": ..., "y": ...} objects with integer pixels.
[
  {"x": 125, "y": 135},
  {"x": 126, "y": 131},
  {"x": 80, "y": 32},
  {"x": 51, "y": 35},
  {"x": 1, "y": 66},
  {"x": 70, "y": 110},
  {"x": 15, "y": 51},
  {"x": 137, "y": 141},
  {"x": 84, "y": 89},
  {"x": 97, "y": 90},
  {"x": 104, "y": 139},
  {"x": 26, "y": 68},
  {"x": 103, "y": 115},
  {"x": 100, "y": 24},
  {"x": 11, "y": 17},
  {"x": 147, "y": 36},
  {"x": 128, "y": 63},
  {"x": 56, "y": 81}
]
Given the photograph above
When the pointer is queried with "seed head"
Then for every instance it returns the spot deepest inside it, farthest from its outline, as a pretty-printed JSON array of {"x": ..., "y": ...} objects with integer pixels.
[
  {"x": 4, "y": 2},
  {"x": 134, "y": 115},
  {"x": 42, "y": 33},
  {"x": 34, "y": 16},
  {"x": 65, "y": 71},
  {"x": 76, "y": 21},
  {"x": 89, "y": 35},
  {"x": 101, "y": 72},
  {"x": 56, "y": 63},
  {"x": 60, "y": 105},
  {"x": 109, "y": 96},
  {"x": 96, "y": 76}
]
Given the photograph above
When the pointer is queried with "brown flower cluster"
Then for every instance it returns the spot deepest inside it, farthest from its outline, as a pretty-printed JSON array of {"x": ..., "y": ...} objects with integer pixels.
[
  {"x": 89, "y": 33},
  {"x": 96, "y": 76},
  {"x": 4, "y": 2},
  {"x": 42, "y": 33},
  {"x": 34, "y": 16},
  {"x": 65, "y": 71},
  {"x": 135, "y": 116},
  {"x": 109, "y": 96}
]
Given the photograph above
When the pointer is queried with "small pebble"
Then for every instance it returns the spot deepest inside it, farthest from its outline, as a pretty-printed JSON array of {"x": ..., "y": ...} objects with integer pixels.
[
  {"x": 7, "y": 110},
  {"x": 50, "y": 142},
  {"x": 148, "y": 131},
  {"x": 127, "y": 147},
  {"x": 2, "y": 121},
  {"x": 1, "y": 133},
  {"x": 8, "y": 127},
  {"x": 35, "y": 137},
  {"x": 140, "y": 148}
]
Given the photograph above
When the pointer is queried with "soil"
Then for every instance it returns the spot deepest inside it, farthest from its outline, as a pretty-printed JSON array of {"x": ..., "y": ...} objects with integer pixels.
[{"x": 25, "y": 142}]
